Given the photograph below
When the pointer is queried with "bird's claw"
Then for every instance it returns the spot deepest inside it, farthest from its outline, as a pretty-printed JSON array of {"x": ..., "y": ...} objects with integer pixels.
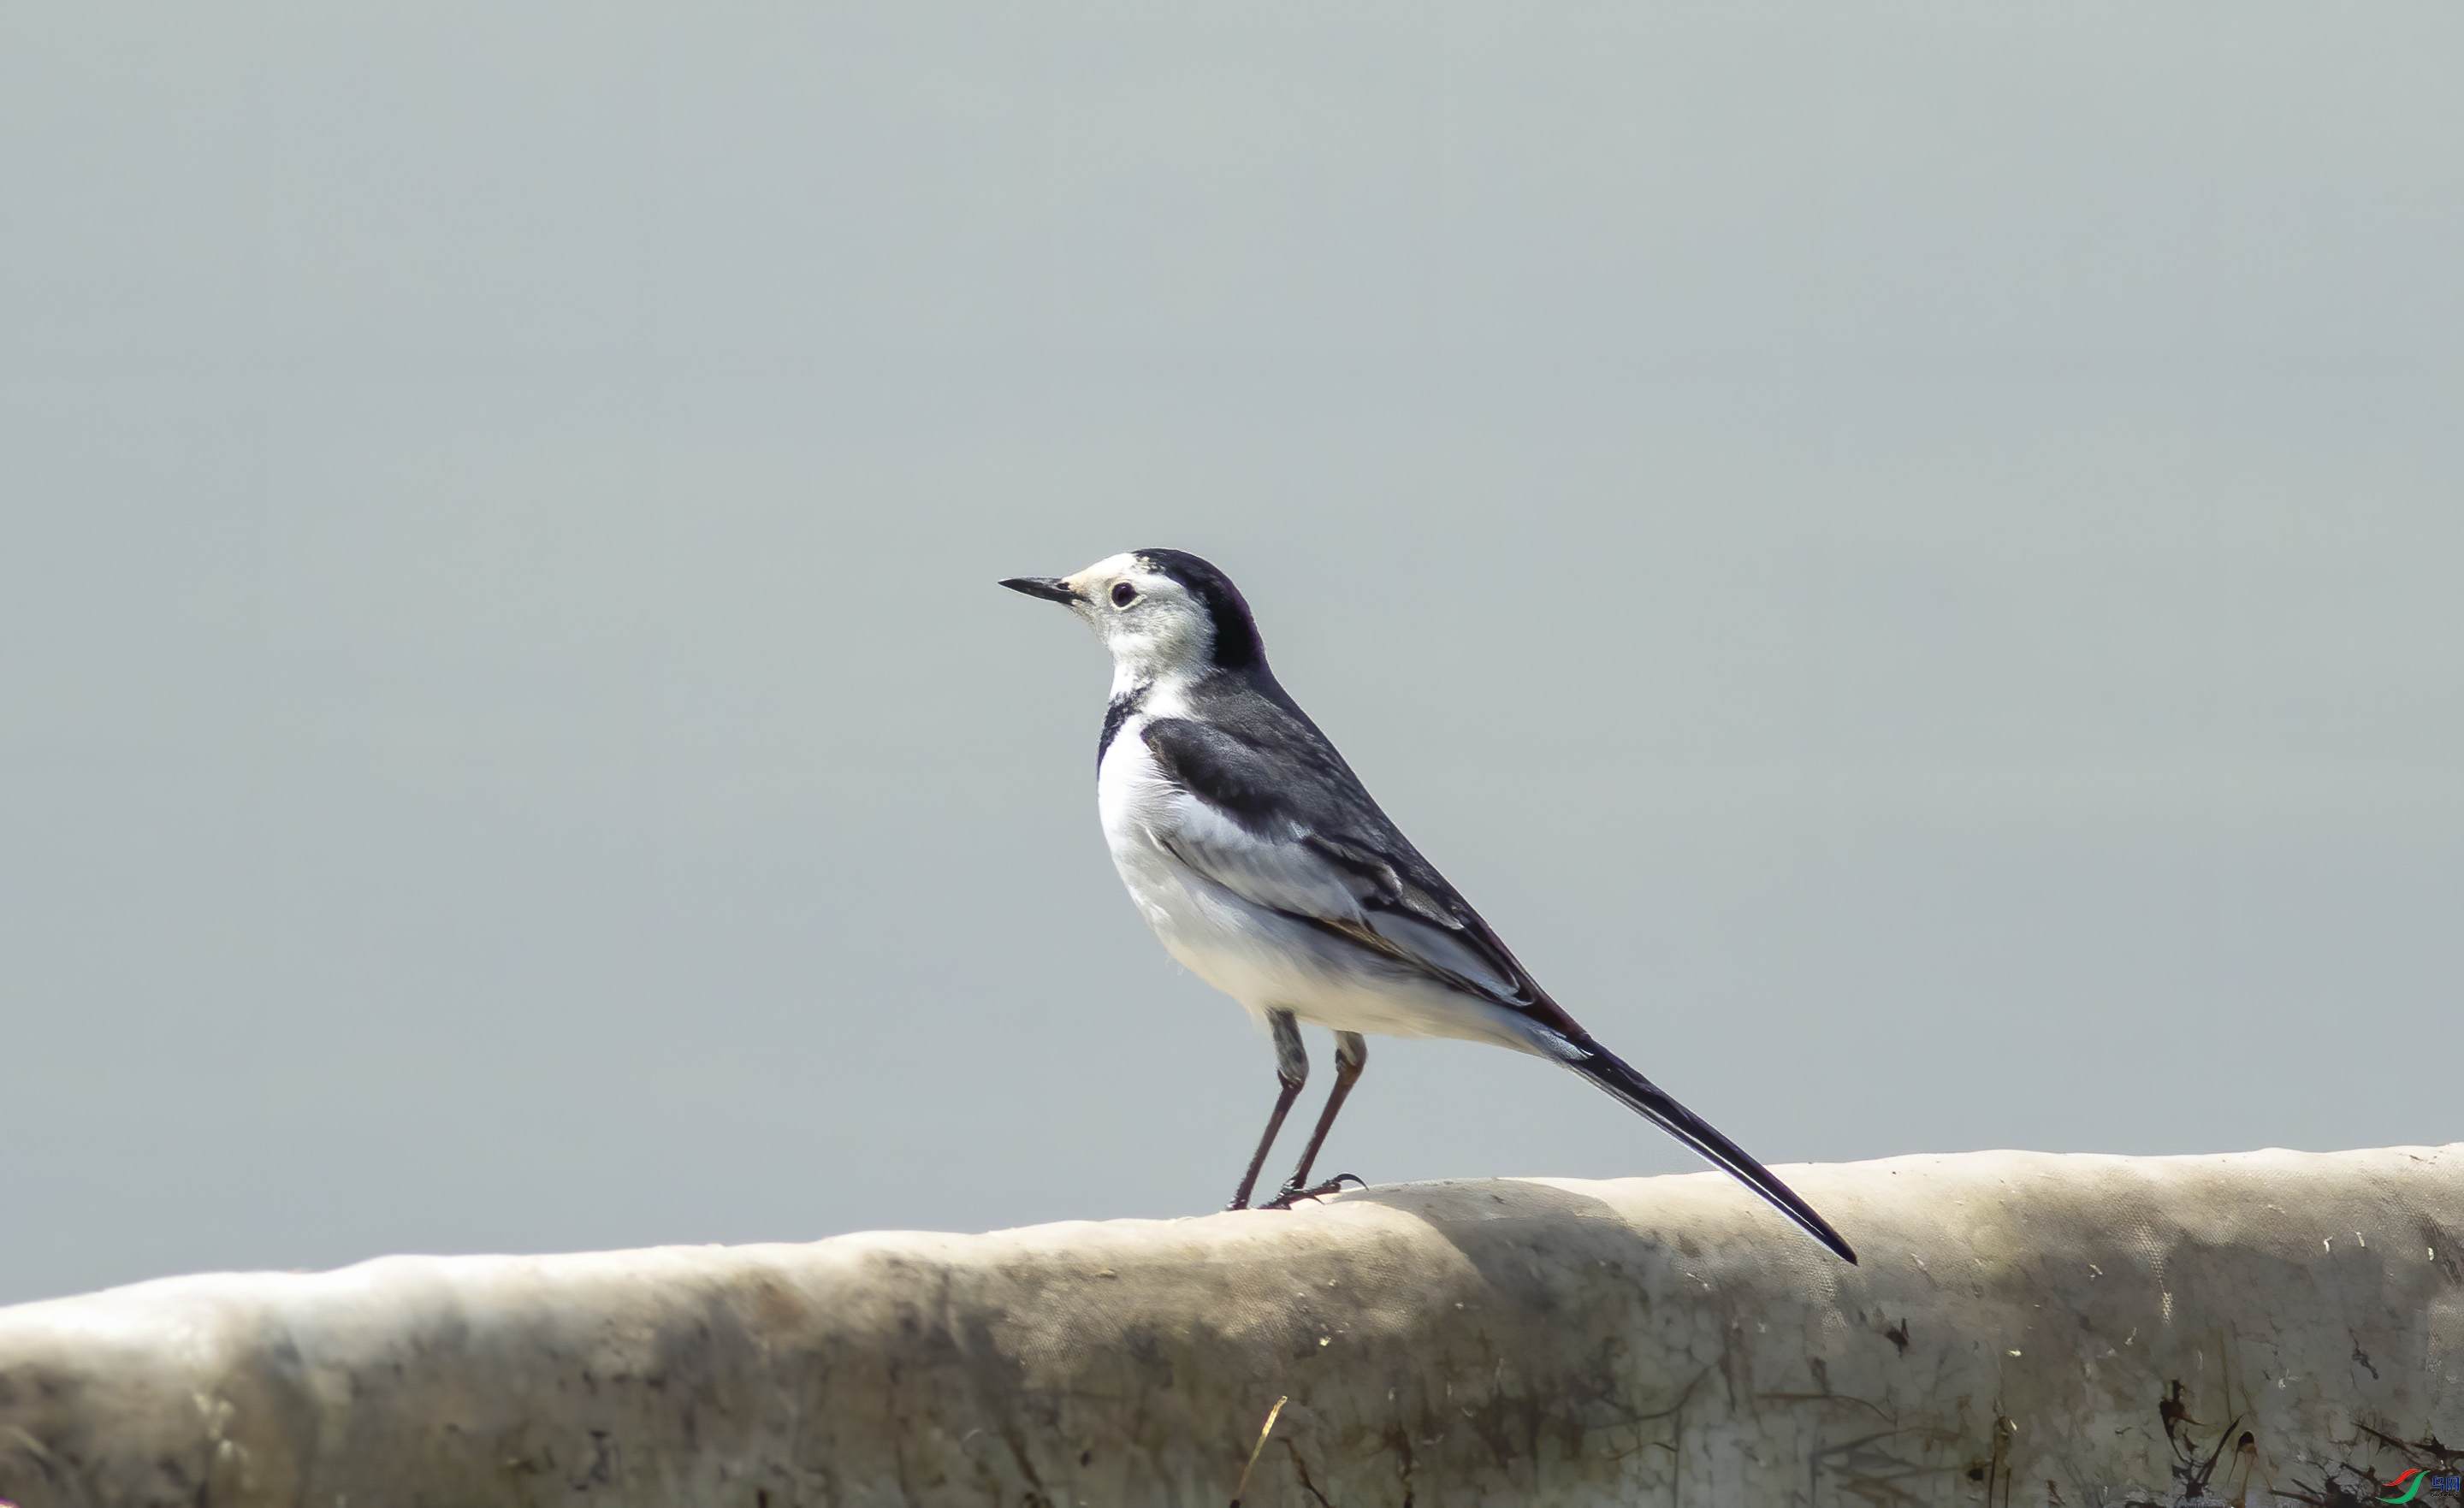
[{"x": 1285, "y": 1196}]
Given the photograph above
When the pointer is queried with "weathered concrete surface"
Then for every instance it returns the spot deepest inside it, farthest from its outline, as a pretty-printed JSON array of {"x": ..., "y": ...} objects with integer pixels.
[{"x": 2025, "y": 1329}]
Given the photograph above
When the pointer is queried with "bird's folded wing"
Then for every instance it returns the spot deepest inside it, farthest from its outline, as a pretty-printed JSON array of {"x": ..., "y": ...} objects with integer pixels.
[{"x": 1299, "y": 836}]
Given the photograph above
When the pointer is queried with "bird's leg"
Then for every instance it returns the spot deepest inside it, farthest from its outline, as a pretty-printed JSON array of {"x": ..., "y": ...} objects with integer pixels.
[
  {"x": 1351, "y": 1056},
  {"x": 1292, "y": 1066}
]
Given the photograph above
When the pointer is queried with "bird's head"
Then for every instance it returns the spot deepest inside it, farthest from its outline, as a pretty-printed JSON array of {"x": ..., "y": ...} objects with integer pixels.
[{"x": 1163, "y": 613}]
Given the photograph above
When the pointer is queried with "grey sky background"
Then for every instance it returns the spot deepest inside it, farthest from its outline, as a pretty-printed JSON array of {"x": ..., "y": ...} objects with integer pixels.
[{"x": 1906, "y": 554}]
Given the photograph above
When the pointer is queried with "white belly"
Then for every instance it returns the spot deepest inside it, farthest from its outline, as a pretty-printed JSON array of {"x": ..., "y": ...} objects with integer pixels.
[{"x": 1260, "y": 957}]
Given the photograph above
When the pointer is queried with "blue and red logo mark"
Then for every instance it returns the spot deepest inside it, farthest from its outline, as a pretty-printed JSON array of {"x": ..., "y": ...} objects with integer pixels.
[{"x": 2408, "y": 1485}]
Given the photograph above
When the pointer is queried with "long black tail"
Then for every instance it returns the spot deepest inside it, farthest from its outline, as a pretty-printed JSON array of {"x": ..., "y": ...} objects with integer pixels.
[{"x": 1649, "y": 1101}]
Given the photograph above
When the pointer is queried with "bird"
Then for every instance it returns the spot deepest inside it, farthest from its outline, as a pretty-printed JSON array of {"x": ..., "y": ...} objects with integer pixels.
[{"x": 1268, "y": 869}]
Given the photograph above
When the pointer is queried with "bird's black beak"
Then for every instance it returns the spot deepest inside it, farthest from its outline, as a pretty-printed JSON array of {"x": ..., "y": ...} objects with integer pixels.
[{"x": 1051, "y": 588}]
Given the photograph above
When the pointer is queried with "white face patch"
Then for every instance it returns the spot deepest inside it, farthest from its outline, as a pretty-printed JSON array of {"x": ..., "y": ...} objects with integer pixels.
[{"x": 1150, "y": 623}]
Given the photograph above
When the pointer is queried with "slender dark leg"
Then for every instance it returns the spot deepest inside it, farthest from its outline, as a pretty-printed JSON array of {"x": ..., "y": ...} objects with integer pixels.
[
  {"x": 1292, "y": 1066},
  {"x": 1351, "y": 1056}
]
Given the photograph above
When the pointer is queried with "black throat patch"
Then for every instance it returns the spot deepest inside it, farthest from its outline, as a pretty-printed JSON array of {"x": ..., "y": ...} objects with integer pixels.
[{"x": 1116, "y": 713}]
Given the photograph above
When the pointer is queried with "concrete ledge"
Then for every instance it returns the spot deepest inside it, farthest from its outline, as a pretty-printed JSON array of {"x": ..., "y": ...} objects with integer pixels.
[{"x": 2064, "y": 1330}]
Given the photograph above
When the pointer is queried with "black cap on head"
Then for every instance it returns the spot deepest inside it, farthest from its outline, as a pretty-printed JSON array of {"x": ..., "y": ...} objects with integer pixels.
[{"x": 1236, "y": 632}]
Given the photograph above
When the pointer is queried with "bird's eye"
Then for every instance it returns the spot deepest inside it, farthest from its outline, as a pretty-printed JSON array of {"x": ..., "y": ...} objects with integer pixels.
[{"x": 1123, "y": 593}]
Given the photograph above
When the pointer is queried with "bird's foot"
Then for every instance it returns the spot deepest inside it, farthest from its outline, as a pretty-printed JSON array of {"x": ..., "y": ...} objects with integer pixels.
[{"x": 1283, "y": 1199}]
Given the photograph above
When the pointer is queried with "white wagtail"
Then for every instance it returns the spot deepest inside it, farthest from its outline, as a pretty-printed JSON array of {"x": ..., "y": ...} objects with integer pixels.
[{"x": 1258, "y": 859}]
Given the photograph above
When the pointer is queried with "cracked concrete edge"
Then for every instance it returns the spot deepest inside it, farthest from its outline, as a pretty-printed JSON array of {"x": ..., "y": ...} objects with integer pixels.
[{"x": 2068, "y": 1330}]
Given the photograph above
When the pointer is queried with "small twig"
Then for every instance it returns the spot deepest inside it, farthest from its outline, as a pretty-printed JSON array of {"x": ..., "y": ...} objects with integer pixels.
[{"x": 1263, "y": 1431}]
